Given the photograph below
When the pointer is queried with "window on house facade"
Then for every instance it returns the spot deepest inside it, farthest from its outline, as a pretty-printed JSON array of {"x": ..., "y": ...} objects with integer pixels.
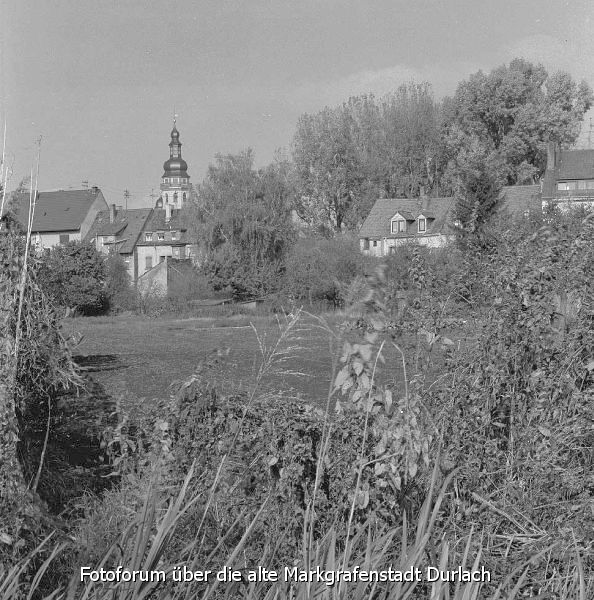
[
  {"x": 375, "y": 243},
  {"x": 398, "y": 226},
  {"x": 160, "y": 236},
  {"x": 64, "y": 238},
  {"x": 148, "y": 263},
  {"x": 422, "y": 225},
  {"x": 174, "y": 235},
  {"x": 366, "y": 244},
  {"x": 148, "y": 236}
]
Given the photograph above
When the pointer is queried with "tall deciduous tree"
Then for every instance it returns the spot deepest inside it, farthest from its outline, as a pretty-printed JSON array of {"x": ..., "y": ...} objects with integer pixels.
[
  {"x": 242, "y": 220},
  {"x": 515, "y": 110},
  {"x": 348, "y": 156}
]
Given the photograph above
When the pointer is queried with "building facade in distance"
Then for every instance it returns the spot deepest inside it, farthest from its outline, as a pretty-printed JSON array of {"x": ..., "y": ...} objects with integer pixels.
[
  {"x": 569, "y": 178},
  {"x": 60, "y": 216}
]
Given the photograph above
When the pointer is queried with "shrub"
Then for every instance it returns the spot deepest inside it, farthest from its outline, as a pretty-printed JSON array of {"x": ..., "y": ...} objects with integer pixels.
[
  {"x": 119, "y": 291},
  {"x": 323, "y": 269},
  {"x": 73, "y": 276}
]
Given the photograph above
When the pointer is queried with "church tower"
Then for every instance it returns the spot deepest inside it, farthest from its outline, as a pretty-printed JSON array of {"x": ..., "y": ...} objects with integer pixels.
[{"x": 175, "y": 181}]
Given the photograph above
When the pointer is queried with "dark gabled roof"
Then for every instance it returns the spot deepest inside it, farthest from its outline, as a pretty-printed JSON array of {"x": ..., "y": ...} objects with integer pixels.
[
  {"x": 377, "y": 224},
  {"x": 157, "y": 221},
  {"x": 127, "y": 225},
  {"x": 576, "y": 164},
  {"x": 517, "y": 199},
  {"x": 112, "y": 228},
  {"x": 569, "y": 165},
  {"x": 64, "y": 210}
]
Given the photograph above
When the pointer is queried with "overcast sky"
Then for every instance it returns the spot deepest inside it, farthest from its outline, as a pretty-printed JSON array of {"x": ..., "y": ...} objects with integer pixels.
[{"x": 99, "y": 79}]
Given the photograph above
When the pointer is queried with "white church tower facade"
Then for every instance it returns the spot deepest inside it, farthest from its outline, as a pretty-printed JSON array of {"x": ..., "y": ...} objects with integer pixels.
[{"x": 175, "y": 181}]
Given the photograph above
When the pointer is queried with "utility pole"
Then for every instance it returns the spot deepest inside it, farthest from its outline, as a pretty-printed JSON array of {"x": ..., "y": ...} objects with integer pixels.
[{"x": 126, "y": 196}]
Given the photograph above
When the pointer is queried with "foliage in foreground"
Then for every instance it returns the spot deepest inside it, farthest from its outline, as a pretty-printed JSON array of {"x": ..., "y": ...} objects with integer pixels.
[{"x": 508, "y": 423}]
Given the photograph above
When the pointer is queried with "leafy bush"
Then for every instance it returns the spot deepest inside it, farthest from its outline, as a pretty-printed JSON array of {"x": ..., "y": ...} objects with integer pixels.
[
  {"x": 323, "y": 269},
  {"x": 119, "y": 292},
  {"x": 73, "y": 276}
]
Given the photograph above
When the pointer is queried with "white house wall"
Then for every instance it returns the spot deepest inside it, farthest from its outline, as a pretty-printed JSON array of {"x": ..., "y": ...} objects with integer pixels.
[
  {"x": 384, "y": 245},
  {"x": 154, "y": 281},
  {"x": 49, "y": 240},
  {"x": 568, "y": 204},
  {"x": 99, "y": 204}
]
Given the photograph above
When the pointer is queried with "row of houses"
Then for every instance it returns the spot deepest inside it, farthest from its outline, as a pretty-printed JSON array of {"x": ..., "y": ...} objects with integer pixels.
[
  {"x": 568, "y": 182},
  {"x": 153, "y": 242},
  {"x": 155, "y": 246}
]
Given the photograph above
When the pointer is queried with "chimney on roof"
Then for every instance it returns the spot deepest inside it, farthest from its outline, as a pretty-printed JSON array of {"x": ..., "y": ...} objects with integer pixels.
[
  {"x": 112, "y": 213},
  {"x": 94, "y": 190},
  {"x": 167, "y": 212},
  {"x": 552, "y": 154}
]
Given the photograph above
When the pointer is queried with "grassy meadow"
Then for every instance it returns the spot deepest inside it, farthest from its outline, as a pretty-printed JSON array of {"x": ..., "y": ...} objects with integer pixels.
[{"x": 137, "y": 359}]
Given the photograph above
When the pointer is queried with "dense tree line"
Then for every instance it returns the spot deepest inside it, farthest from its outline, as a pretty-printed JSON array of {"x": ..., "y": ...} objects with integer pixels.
[{"x": 492, "y": 132}]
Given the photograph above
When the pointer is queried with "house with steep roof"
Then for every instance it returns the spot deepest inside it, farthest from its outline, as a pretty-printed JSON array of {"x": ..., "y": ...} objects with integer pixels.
[
  {"x": 60, "y": 216},
  {"x": 428, "y": 221},
  {"x": 118, "y": 230},
  {"x": 396, "y": 221},
  {"x": 163, "y": 237},
  {"x": 568, "y": 181}
]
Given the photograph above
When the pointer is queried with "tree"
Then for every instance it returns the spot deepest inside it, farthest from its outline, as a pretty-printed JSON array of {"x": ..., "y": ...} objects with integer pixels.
[
  {"x": 479, "y": 176},
  {"x": 73, "y": 276},
  {"x": 515, "y": 110},
  {"x": 348, "y": 156},
  {"x": 242, "y": 220},
  {"x": 118, "y": 286}
]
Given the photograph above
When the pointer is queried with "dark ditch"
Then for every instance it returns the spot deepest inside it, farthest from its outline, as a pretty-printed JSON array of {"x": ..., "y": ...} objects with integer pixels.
[{"x": 75, "y": 463}]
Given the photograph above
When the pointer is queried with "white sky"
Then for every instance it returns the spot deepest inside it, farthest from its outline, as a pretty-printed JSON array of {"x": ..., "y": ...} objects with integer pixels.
[{"x": 99, "y": 79}]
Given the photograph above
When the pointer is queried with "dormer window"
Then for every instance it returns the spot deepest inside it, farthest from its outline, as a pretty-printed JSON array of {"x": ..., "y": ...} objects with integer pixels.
[
  {"x": 422, "y": 222},
  {"x": 398, "y": 226},
  {"x": 161, "y": 236},
  {"x": 148, "y": 236}
]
